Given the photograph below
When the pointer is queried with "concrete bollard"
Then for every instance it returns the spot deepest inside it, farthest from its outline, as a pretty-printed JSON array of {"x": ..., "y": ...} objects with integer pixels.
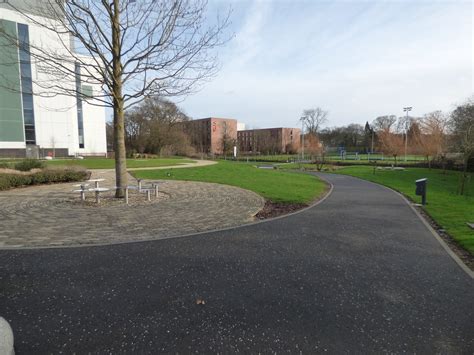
[
  {"x": 156, "y": 190},
  {"x": 97, "y": 197},
  {"x": 139, "y": 185},
  {"x": 83, "y": 192},
  {"x": 6, "y": 338},
  {"x": 148, "y": 195}
]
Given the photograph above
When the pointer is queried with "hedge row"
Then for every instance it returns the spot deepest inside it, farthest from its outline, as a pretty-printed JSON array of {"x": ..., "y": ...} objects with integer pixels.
[
  {"x": 9, "y": 181},
  {"x": 28, "y": 164}
]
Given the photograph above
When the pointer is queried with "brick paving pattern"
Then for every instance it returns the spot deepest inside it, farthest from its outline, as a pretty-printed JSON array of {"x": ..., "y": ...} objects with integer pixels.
[{"x": 51, "y": 215}]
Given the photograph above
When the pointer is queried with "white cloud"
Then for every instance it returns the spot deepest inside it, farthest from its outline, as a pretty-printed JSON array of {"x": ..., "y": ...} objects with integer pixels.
[{"x": 358, "y": 60}]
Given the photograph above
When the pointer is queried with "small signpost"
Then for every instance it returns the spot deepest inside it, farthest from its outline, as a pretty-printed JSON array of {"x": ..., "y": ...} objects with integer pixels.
[{"x": 421, "y": 189}]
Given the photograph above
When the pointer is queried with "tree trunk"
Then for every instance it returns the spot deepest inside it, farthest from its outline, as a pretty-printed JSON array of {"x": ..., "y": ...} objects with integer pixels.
[
  {"x": 119, "y": 126},
  {"x": 119, "y": 147}
]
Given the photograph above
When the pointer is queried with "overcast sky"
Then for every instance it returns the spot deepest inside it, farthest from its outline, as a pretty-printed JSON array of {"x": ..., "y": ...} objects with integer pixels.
[{"x": 358, "y": 60}]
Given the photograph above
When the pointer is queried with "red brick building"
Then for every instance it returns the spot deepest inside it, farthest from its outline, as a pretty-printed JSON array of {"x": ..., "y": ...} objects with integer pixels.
[
  {"x": 212, "y": 135},
  {"x": 269, "y": 140}
]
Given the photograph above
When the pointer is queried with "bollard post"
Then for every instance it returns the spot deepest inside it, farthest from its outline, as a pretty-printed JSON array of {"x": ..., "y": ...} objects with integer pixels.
[
  {"x": 6, "y": 338},
  {"x": 97, "y": 197},
  {"x": 156, "y": 190},
  {"x": 83, "y": 192},
  {"x": 139, "y": 185},
  {"x": 148, "y": 195},
  {"x": 126, "y": 195}
]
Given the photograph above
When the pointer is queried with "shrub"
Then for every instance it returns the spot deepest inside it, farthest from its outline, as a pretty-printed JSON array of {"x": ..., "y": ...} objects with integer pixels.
[
  {"x": 9, "y": 181},
  {"x": 28, "y": 164},
  {"x": 4, "y": 165}
]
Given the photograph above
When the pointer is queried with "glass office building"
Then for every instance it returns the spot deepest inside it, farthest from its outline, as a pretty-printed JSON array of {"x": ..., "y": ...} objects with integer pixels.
[{"x": 33, "y": 123}]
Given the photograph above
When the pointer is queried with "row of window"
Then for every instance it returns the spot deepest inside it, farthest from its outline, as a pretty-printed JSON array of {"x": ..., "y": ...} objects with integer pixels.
[
  {"x": 27, "y": 89},
  {"x": 26, "y": 83},
  {"x": 80, "y": 116}
]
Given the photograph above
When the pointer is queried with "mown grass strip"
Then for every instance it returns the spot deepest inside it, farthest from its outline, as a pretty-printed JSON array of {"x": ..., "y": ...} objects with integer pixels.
[
  {"x": 102, "y": 163},
  {"x": 274, "y": 185}
]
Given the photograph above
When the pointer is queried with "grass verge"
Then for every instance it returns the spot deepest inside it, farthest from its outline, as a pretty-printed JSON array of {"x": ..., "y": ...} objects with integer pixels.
[
  {"x": 447, "y": 208},
  {"x": 103, "y": 163},
  {"x": 274, "y": 185}
]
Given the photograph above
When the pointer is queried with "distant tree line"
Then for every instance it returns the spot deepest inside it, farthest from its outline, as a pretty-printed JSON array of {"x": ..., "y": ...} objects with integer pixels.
[
  {"x": 152, "y": 127},
  {"x": 435, "y": 135}
]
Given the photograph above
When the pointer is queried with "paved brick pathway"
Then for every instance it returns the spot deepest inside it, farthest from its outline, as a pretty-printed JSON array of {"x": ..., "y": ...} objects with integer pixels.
[{"x": 50, "y": 215}]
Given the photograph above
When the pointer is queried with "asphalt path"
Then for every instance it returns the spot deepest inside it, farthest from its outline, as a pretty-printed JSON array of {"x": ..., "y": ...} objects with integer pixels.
[{"x": 358, "y": 273}]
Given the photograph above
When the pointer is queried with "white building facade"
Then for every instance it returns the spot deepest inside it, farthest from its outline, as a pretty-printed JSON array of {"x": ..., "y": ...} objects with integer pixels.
[{"x": 35, "y": 120}]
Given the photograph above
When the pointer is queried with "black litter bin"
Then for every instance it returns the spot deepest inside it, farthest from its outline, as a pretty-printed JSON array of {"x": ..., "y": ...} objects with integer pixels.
[{"x": 421, "y": 189}]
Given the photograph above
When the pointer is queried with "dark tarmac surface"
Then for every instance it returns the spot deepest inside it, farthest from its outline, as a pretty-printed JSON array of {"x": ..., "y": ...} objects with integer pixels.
[{"x": 358, "y": 273}]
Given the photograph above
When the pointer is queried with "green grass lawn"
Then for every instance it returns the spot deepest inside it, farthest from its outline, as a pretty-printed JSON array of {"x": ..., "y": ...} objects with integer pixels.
[
  {"x": 275, "y": 185},
  {"x": 444, "y": 204},
  {"x": 102, "y": 163}
]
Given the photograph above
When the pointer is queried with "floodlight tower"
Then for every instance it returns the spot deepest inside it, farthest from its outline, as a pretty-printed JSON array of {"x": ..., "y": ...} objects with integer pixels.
[
  {"x": 406, "y": 109},
  {"x": 302, "y": 119}
]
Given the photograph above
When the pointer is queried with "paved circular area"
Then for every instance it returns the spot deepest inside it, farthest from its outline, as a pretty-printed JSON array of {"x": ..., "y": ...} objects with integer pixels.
[{"x": 52, "y": 215}]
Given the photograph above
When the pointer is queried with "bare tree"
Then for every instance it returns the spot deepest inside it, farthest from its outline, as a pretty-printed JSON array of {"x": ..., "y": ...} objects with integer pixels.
[
  {"x": 133, "y": 49},
  {"x": 429, "y": 135},
  {"x": 228, "y": 142},
  {"x": 462, "y": 126},
  {"x": 384, "y": 123},
  {"x": 152, "y": 127},
  {"x": 313, "y": 146},
  {"x": 390, "y": 141},
  {"x": 313, "y": 119}
]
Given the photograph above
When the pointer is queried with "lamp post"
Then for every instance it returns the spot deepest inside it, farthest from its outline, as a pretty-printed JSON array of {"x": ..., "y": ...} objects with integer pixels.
[
  {"x": 406, "y": 109},
  {"x": 302, "y": 119}
]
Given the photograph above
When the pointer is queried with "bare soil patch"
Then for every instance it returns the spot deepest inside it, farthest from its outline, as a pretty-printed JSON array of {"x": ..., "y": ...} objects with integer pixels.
[{"x": 275, "y": 209}]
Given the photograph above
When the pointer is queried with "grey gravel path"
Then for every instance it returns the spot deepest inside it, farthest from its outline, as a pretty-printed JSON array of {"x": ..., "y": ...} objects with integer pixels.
[{"x": 358, "y": 273}]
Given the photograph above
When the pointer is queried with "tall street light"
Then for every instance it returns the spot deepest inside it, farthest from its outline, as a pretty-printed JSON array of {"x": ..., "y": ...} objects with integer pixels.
[
  {"x": 406, "y": 109},
  {"x": 302, "y": 119}
]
